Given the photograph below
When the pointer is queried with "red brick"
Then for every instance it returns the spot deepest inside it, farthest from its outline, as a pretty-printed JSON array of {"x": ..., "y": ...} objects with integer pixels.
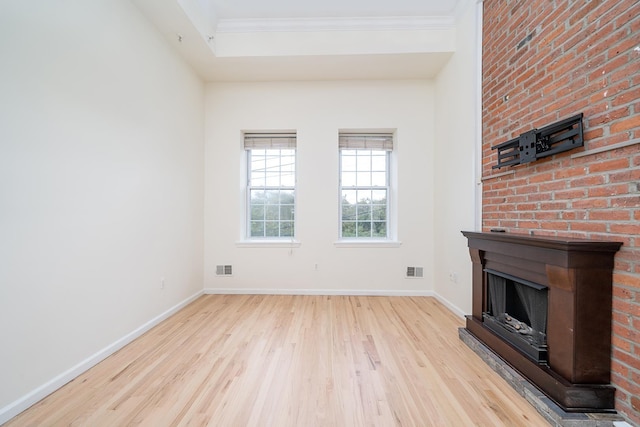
[
  {"x": 626, "y": 124},
  {"x": 525, "y": 215},
  {"x": 625, "y": 202},
  {"x": 619, "y": 368},
  {"x": 614, "y": 10},
  {"x": 630, "y": 70},
  {"x": 553, "y": 206},
  {"x": 528, "y": 224},
  {"x": 569, "y": 38},
  {"x": 627, "y": 175},
  {"x": 626, "y": 307},
  {"x": 584, "y": 203},
  {"x": 627, "y": 96},
  {"x": 569, "y": 172},
  {"x": 625, "y": 46},
  {"x": 633, "y": 389},
  {"x": 625, "y": 333},
  {"x": 608, "y": 190},
  {"x": 624, "y": 293},
  {"x": 571, "y": 194},
  {"x": 588, "y": 181},
  {"x": 609, "y": 165},
  {"x": 539, "y": 197},
  {"x": 635, "y": 404},
  {"x": 526, "y": 206},
  {"x": 598, "y": 227},
  {"x": 632, "y": 362},
  {"x": 549, "y": 216},
  {"x": 569, "y": 216},
  {"x": 508, "y": 224},
  {"x": 539, "y": 83},
  {"x": 583, "y": 11},
  {"x": 621, "y": 319},
  {"x": 634, "y": 417},
  {"x": 629, "y": 228},
  {"x": 603, "y": 76},
  {"x": 541, "y": 177},
  {"x": 610, "y": 215},
  {"x": 571, "y": 108},
  {"x": 625, "y": 240},
  {"x": 517, "y": 182},
  {"x": 556, "y": 226},
  {"x": 548, "y": 164},
  {"x": 622, "y": 265},
  {"x": 609, "y": 116},
  {"x": 629, "y": 253},
  {"x": 627, "y": 280},
  {"x": 561, "y": 63}
]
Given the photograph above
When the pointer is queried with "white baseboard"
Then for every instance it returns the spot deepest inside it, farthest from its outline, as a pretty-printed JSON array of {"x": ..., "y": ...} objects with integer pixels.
[
  {"x": 355, "y": 292},
  {"x": 452, "y": 307},
  {"x": 13, "y": 409}
]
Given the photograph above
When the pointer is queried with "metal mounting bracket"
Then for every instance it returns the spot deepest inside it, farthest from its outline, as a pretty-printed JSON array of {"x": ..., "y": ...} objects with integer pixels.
[{"x": 535, "y": 144}]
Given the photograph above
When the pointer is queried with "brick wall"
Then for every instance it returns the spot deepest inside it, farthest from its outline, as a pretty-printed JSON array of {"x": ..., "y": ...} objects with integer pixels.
[{"x": 543, "y": 61}]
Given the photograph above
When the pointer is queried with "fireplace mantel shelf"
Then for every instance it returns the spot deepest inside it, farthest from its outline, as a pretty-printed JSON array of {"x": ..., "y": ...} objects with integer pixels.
[{"x": 548, "y": 242}]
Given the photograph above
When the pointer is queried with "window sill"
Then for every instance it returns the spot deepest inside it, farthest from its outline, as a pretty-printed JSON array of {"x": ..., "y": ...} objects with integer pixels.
[
  {"x": 268, "y": 243},
  {"x": 367, "y": 243}
]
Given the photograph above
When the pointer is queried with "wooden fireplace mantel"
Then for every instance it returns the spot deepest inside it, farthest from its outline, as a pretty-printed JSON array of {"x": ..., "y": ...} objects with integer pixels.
[{"x": 578, "y": 275}]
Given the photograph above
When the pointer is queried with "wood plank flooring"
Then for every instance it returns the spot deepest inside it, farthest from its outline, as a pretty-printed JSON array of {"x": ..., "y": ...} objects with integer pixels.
[{"x": 257, "y": 360}]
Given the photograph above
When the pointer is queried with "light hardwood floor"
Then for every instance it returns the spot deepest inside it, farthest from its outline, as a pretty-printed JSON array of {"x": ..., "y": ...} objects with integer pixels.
[{"x": 256, "y": 360}]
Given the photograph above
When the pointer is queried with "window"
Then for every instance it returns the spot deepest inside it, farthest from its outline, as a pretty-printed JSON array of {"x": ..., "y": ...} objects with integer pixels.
[
  {"x": 364, "y": 185},
  {"x": 271, "y": 179}
]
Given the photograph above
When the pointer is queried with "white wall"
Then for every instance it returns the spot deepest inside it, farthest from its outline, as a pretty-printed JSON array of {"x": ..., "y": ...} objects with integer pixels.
[
  {"x": 337, "y": 41},
  {"x": 317, "y": 110},
  {"x": 101, "y": 184},
  {"x": 455, "y": 172}
]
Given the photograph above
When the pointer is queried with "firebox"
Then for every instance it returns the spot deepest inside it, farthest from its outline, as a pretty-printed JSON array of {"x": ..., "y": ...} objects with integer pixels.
[
  {"x": 517, "y": 311},
  {"x": 543, "y": 304}
]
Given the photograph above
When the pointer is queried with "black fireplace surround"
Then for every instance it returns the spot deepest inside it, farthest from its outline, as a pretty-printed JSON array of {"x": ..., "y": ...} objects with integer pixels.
[{"x": 543, "y": 304}]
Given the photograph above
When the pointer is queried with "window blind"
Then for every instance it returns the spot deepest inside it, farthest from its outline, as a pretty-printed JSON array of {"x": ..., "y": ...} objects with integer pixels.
[
  {"x": 368, "y": 141},
  {"x": 280, "y": 141}
]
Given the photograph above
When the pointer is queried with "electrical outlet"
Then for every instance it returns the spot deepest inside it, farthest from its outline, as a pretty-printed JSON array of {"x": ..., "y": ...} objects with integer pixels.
[
  {"x": 162, "y": 283},
  {"x": 453, "y": 276}
]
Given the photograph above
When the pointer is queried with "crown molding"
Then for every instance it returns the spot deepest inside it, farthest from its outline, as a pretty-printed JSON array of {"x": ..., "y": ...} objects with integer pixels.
[{"x": 399, "y": 23}]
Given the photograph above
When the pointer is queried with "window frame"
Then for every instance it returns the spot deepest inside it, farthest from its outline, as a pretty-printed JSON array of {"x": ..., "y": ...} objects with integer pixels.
[
  {"x": 359, "y": 143},
  {"x": 269, "y": 141}
]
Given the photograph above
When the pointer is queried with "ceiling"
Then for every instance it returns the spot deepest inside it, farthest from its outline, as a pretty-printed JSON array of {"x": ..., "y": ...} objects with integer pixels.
[{"x": 275, "y": 40}]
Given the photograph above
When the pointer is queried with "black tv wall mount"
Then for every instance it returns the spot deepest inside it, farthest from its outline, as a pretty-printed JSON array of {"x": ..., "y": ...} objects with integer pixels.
[{"x": 535, "y": 144}]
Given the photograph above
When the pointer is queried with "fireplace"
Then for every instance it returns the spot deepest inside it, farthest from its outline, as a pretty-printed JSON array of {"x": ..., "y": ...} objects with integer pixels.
[{"x": 543, "y": 304}]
